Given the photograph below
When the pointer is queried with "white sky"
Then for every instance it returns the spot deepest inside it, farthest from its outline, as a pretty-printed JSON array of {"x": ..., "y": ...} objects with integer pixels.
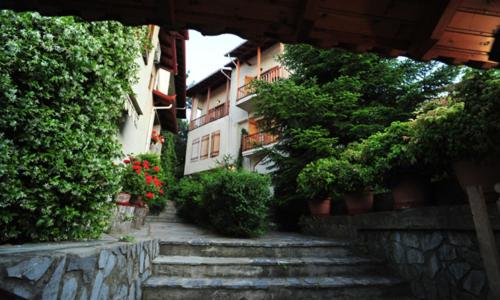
[{"x": 205, "y": 54}]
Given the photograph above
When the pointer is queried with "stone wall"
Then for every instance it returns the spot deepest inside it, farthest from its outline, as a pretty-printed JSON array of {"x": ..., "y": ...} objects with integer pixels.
[
  {"x": 435, "y": 248},
  {"x": 93, "y": 270}
]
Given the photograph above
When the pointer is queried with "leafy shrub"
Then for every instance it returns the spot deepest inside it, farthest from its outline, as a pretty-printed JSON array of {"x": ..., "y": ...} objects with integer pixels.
[
  {"x": 142, "y": 177},
  {"x": 62, "y": 87},
  {"x": 332, "y": 176},
  {"x": 188, "y": 196},
  {"x": 168, "y": 162},
  {"x": 237, "y": 202},
  {"x": 466, "y": 126}
]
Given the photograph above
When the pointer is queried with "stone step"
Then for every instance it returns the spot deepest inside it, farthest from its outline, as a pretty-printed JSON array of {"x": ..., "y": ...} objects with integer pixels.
[
  {"x": 199, "y": 266},
  {"x": 252, "y": 248},
  {"x": 176, "y": 220},
  {"x": 337, "y": 287}
]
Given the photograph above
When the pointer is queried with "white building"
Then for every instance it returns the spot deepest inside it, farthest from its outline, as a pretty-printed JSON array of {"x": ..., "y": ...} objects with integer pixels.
[
  {"x": 223, "y": 106},
  {"x": 159, "y": 95}
]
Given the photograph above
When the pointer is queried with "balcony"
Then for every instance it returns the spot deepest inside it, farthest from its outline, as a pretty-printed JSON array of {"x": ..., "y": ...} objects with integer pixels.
[
  {"x": 246, "y": 93},
  {"x": 257, "y": 140},
  {"x": 212, "y": 115}
]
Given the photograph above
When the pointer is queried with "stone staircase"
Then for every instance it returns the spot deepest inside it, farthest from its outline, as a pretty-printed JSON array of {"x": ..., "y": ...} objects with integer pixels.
[
  {"x": 169, "y": 215},
  {"x": 307, "y": 268}
]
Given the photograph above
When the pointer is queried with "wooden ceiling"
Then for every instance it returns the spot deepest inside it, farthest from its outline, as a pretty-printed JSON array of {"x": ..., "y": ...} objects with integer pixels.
[{"x": 454, "y": 31}]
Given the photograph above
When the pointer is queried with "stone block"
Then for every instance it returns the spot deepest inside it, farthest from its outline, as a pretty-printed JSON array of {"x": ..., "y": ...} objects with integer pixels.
[
  {"x": 103, "y": 258},
  {"x": 460, "y": 239},
  {"x": 398, "y": 254},
  {"x": 433, "y": 266},
  {"x": 86, "y": 264},
  {"x": 32, "y": 269},
  {"x": 411, "y": 240},
  {"x": 110, "y": 264},
  {"x": 51, "y": 289},
  {"x": 458, "y": 269},
  {"x": 414, "y": 256},
  {"x": 96, "y": 287},
  {"x": 475, "y": 282},
  {"x": 447, "y": 253},
  {"x": 431, "y": 241},
  {"x": 69, "y": 289}
]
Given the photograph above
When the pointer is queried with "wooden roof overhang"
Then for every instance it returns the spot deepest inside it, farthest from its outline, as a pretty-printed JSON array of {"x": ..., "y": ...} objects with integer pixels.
[
  {"x": 173, "y": 59},
  {"x": 212, "y": 81},
  {"x": 454, "y": 31},
  {"x": 167, "y": 117}
]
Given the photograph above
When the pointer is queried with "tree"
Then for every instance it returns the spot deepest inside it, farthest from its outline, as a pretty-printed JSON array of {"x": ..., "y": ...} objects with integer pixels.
[{"x": 333, "y": 98}]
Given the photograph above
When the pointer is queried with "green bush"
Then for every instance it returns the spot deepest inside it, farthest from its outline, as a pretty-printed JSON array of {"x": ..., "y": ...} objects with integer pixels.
[
  {"x": 62, "y": 87},
  {"x": 237, "y": 203},
  {"x": 168, "y": 162},
  {"x": 188, "y": 197}
]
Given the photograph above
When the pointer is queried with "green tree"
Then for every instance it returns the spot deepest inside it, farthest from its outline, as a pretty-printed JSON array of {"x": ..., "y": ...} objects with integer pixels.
[
  {"x": 333, "y": 98},
  {"x": 62, "y": 85}
]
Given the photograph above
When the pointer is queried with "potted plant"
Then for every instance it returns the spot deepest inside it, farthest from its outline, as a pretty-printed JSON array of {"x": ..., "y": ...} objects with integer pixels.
[
  {"x": 142, "y": 178},
  {"x": 396, "y": 162},
  {"x": 467, "y": 130},
  {"x": 315, "y": 182}
]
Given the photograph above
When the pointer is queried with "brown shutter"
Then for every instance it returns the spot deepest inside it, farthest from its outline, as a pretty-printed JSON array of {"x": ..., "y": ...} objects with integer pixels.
[
  {"x": 195, "y": 149},
  {"x": 204, "y": 146},
  {"x": 215, "y": 144}
]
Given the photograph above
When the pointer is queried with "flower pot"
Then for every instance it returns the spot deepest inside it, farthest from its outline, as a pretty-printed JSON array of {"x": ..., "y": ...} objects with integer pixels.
[
  {"x": 485, "y": 174},
  {"x": 359, "y": 202},
  {"x": 410, "y": 192},
  {"x": 383, "y": 202},
  {"x": 123, "y": 197},
  {"x": 320, "y": 208}
]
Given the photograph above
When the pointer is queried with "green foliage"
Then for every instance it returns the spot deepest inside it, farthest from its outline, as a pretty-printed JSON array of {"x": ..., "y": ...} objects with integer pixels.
[
  {"x": 332, "y": 99},
  {"x": 62, "y": 85},
  {"x": 168, "y": 162},
  {"x": 237, "y": 203},
  {"x": 180, "y": 147},
  {"x": 232, "y": 202},
  {"x": 333, "y": 177},
  {"x": 142, "y": 176},
  {"x": 466, "y": 126}
]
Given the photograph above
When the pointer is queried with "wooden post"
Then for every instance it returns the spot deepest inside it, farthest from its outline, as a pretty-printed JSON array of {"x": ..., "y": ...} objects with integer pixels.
[
  {"x": 258, "y": 62},
  {"x": 194, "y": 108},
  {"x": 237, "y": 78},
  {"x": 207, "y": 105},
  {"x": 485, "y": 237}
]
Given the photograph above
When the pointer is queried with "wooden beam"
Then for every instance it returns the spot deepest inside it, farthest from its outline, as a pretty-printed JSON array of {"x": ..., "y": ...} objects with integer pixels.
[
  {"x": 486, "y": 238},
  {"x": 432, "y": 27},
  {"x": 259, "y": 54},
  {"x": 306, "y": 19},
  {"x": 207, "y": 105}
]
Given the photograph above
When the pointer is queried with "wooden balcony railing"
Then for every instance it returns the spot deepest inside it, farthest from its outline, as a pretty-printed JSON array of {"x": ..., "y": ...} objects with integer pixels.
[
  {"x": 270, "y": 75},
  {"x": 258, "y": 140},
  {"x": 212, "y": 115}
]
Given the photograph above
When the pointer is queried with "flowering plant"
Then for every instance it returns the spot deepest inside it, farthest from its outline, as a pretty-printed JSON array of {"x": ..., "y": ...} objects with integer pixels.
[
  {"x": 157, "y": 138},
  {"x": 142, "y": 177}
]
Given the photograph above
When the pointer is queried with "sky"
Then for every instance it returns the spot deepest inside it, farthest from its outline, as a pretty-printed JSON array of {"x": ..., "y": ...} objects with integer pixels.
[{"x": 205, "y": 54}]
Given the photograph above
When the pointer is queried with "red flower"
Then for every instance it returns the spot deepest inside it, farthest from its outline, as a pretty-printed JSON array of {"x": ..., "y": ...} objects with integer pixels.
[
  {"x": 138, "y": 172},
  {"x": 127, "y": 161},
  {"x": 150, "y": 195},
  {"x": 136, "y": 167},
  {"x": 149, "y": 179},
  {"x": 161, "y": 192},
  {"x": 156, "y": 181},
  {"x": 156, "y": 168},
  {"x": 137, "y": 163}
]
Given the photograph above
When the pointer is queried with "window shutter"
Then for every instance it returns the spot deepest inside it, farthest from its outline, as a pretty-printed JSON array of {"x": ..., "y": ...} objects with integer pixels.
[
  {"x": 195, "y": 149},
  {"x": 204, "y": 146},
  {"x": 215, "y": 146}
]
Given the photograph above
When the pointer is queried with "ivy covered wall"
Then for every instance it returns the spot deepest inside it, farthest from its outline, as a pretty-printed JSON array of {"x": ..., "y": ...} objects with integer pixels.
[{"x": 62, "y": 87}]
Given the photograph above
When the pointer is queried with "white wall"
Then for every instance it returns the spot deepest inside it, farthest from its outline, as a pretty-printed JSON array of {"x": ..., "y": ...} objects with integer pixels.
[
  {"x": 135, "y": 133},
  {"x": 210, "y": 162}
]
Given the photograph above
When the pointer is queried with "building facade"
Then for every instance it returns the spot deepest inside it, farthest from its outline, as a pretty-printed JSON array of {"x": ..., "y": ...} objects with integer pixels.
[
  {"x": 223, "y": 112},
  {"x": 159, "y": 94}
]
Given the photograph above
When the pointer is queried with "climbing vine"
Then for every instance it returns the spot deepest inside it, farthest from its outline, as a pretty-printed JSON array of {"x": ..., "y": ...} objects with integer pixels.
[{"x": 62, "y": 85}]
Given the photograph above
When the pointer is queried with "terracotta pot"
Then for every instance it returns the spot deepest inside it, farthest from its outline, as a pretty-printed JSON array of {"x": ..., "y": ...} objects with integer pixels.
[
  {"x": 320, "y": 208},
  {"x": 410, "y": 192},
  {"x": 359, "y": 202},
  {"x": 123, "y": 197},
  {"x": 485, "y": 174}
]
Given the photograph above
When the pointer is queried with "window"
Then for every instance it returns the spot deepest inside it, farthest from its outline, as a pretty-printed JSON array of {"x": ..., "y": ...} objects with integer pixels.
[
  {"x": 204, "y": 146},
  {"x": 214, "y": 147},
  {"x": 195, "y": 149}
]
